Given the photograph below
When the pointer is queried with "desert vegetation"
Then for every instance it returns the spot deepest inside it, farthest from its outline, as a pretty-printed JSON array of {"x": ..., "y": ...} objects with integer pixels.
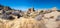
[{"x": 11, "y": 18}]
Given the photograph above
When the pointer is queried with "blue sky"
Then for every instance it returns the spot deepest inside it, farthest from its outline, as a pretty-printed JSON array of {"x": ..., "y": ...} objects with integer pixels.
[{"x": 25, "y": 4}]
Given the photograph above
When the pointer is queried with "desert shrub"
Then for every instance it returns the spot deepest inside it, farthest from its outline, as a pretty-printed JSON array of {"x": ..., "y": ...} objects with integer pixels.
[
  {"x": 17, "y": 14},
  {"x": 8, "y": 17},
  {"x": 52, "y": 17},
  {"x": 41, "y": 11}
]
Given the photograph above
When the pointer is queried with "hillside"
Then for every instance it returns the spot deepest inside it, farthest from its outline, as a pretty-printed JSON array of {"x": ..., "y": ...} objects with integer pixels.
[{"x": 11, "y": 18}]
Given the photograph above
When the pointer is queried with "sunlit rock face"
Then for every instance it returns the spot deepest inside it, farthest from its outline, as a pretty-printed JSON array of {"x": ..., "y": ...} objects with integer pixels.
[
  {"x": 58, "y": 18},
  {"x": 51, "y": 24},
  {"x": 50, "y": 19},
  {"x": 39, "y": 17},
  {"x": 52, "y": 14}
]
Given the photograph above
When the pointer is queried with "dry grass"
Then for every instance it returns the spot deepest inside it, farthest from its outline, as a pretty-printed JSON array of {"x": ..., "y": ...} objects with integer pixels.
[
  {"x": 22, "y": 23},
  {"x": 30, "y": 23}
]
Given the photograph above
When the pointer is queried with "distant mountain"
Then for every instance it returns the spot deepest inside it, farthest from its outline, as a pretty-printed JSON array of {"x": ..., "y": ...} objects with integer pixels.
[{"x": 5, "y": 7}]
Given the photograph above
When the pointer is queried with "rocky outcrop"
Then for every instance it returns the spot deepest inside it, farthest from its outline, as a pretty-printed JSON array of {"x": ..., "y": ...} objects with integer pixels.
[{"x": 10, "y": 18}]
